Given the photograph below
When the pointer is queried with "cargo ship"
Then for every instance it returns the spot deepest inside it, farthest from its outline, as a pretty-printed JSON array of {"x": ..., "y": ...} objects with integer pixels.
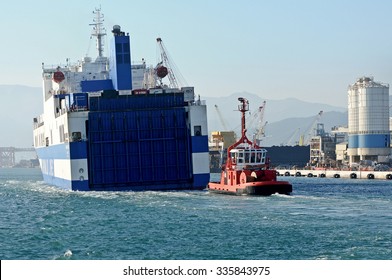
[
  {"x": 246, "y": 171},
  {"x": 112, "y": 125}
]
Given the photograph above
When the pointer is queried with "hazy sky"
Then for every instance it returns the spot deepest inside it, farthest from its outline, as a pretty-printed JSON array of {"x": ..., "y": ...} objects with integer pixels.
[{"x": 310, "y": 50}]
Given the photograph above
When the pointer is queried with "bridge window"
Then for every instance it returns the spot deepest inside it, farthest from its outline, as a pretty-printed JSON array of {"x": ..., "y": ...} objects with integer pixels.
[
  {"x": 197, "y": 130},
  {"x": 76, "y": 136}
]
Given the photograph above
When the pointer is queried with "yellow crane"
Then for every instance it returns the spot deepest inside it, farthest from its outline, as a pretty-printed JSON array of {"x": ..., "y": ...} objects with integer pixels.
[{"x": 304, "y": 140}]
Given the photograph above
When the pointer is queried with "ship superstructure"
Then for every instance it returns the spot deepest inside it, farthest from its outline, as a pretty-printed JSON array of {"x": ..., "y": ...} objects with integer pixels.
[{"x": 108, "y": 125}]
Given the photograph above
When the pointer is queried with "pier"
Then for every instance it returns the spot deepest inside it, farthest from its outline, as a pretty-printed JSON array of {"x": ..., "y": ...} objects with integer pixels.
[
  {"x": 8, "y": 158},
  {"x": 330, "y": 173}
]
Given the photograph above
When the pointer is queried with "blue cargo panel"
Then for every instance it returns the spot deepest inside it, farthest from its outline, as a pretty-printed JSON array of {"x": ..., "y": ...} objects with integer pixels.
[
  {"x": 96, "y": 85},
  {"x": 139, "y": 148},
  {"x": 111, "y": 101}
]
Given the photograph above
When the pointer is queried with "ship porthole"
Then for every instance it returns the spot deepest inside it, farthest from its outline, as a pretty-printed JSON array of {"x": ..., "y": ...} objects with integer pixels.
[
  {"x": 81, "y": 170},
  {"x": 81, "y": 178}
]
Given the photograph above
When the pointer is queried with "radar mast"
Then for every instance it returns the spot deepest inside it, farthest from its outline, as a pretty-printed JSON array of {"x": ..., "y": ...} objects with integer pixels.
[{"x": 98, "y": 30}]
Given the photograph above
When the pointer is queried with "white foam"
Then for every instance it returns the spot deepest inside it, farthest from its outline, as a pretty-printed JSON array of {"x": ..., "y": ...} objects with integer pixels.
[{"x": 68, "y": 253}]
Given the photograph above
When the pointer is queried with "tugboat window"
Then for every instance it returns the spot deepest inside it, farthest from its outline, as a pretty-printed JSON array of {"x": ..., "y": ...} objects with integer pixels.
[
  {"x": 241, "y": 157},
  {"x": 253, "y": 157},
  {"x": 233, "y": 157},
  {"x": 246, "y": 156}
]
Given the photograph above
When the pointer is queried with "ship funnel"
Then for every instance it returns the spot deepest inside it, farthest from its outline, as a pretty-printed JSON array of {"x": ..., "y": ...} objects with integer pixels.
[{"x": 120, "y": 61}]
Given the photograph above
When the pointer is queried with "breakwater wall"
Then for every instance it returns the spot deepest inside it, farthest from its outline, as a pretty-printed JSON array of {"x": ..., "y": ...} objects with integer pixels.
[{"x": 329, "y": 173}]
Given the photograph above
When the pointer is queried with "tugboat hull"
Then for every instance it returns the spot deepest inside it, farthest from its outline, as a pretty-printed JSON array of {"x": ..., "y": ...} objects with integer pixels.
[
  {"x": 265, "y": 188},
  {"x": 280, "y": 188}
]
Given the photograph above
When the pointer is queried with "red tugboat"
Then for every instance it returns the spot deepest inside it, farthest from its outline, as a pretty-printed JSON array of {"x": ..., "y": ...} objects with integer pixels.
[{"x": 246, "y": 171}]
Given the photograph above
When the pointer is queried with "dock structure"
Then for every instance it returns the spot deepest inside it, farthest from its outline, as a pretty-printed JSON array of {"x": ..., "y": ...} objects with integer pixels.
[
  {"x": 330, "y": 173},
  {"x": 7, "y": 155}
]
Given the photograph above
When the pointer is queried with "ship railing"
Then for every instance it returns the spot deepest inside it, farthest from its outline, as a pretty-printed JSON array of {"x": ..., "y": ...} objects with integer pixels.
[
  {"x": 61, "y": 111},
  {"x": 78, "y": 108},
  {"x": 249, "y": 166},
  {"x": 71, "y": 110},
  {"x": 36, "y": 125},
  {"x": 197, "y": 103},
  {"x": 38, "y": 121}
]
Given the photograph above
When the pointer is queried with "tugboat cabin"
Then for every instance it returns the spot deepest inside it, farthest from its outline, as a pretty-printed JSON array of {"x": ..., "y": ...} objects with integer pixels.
[{"x": 241, "y": 158}]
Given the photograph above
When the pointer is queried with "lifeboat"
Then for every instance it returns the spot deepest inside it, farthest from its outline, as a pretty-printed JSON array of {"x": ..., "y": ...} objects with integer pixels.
[
  {"x": 58, "y": 76},
  {"x": 247, "y": 171}
]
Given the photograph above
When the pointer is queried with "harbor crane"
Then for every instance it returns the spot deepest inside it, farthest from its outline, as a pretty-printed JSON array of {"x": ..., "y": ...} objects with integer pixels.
[
  {"x": 291, "y": 138},
  {"x": 259, "y": 128},
  {"x": 305, "y": 141},
  {"x": 167, "y": 67},
  {"x": 221, "y": 119}
]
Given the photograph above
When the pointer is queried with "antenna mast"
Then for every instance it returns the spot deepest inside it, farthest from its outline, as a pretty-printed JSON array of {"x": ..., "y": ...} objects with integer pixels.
[
  {"x": 98, "y": 30},
  {"x": 243, "y": 107}
]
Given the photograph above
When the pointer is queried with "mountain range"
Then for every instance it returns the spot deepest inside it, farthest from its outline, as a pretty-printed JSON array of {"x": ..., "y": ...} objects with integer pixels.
[{"x": 286, "y": 119}]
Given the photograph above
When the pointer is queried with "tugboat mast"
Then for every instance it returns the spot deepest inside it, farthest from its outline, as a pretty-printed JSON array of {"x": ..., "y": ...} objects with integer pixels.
[
  {"x": 98, "y": 30},
  {"x": 243, "y": 107}
]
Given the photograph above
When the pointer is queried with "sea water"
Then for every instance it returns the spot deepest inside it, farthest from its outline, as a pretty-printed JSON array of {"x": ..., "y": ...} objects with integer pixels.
[{"x": 324, "y": 218}]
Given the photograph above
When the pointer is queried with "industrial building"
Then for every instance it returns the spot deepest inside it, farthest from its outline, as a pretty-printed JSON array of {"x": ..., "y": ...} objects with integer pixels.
[
  {"x": 369, "y": 136},
  {"x": 368, "y": 121},
  {"x": 322, "y": 148}
]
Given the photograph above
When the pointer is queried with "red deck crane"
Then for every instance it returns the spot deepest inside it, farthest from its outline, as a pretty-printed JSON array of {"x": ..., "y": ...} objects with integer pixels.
[{"x": 167, "y": 67}]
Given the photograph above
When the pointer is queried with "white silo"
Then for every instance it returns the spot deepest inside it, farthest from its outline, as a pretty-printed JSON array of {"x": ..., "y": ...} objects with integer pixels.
[
  {"x": 353, "y": 120},
  {"x": 368, "y": 121}
]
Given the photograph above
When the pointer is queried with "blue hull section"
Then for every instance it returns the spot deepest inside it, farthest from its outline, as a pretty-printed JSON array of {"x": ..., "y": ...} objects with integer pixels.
[
  {"x": 72, "y": 150},
  {"x": 84, "y": 186},
  {"x": 200, "y": 181},
  {"x": 59, "y": 158},
  {"x": 158, "y": 187},
  {"x": 66, "y": 184}
]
